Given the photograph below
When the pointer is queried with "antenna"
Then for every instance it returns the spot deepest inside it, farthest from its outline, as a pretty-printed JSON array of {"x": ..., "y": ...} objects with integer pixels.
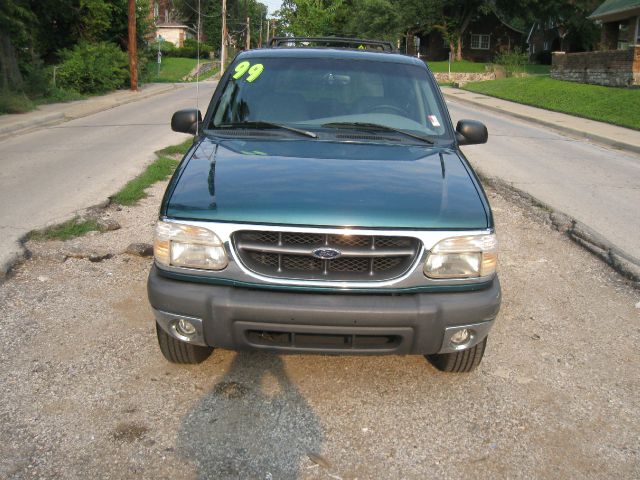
[{"x": 198, "y": 66}]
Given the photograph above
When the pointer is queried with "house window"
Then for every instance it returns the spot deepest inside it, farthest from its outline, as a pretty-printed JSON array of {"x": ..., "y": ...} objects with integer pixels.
[
  {"x": 623, "y": 36},
  {"x": 480, "y": 42},
  {"x": 546, "y": 45},
  {"x": 638, "y": 31}
]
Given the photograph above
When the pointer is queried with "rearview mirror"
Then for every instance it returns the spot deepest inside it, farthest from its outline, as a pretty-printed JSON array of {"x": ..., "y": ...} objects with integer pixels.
[
  {"x": 186, "y": 121},
  {"x": 471, "y": 132}
]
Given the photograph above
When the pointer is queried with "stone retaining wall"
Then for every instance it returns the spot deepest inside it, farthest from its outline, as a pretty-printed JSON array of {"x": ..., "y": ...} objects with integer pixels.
[
  {"x": 462, "y": 78},
  {"x": 612, "y": 68}
]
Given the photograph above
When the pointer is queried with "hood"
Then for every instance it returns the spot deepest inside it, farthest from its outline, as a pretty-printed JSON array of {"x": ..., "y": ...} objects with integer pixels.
[{"x": 320, "y": 183}]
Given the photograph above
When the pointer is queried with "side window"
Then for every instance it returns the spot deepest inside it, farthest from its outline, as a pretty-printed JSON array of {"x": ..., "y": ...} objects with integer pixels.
[
  {"x": 223, "y": 113},
  {"x": 431, "y": 117}
]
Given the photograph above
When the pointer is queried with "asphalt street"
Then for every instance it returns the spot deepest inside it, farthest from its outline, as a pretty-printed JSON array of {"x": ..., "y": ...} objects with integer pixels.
[
  {"x": 596, "y": 185},
  {"x": 48, "y": 174}
]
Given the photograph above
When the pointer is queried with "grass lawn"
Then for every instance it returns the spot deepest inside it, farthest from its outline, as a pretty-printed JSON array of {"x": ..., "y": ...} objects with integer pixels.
[
  {"x": 535, "y": 69},
  {"x": 173, "y": 69},
  {"x": 64, "y": 231},
  {"x": 159, "y": 170},
  {"x": 463, "y": 66},
  {"x": 618, "y": 106},
  {"x": 18, "y": 102}
]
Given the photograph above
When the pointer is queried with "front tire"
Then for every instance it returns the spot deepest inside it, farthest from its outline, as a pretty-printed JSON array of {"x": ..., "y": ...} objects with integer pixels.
[
  {"x": 177, "y": 351},
  {"x": 459, "y": 362}
]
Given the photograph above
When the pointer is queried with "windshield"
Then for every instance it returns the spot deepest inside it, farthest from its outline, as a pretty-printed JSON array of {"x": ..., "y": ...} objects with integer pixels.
[{"x": 329, "y": 93}]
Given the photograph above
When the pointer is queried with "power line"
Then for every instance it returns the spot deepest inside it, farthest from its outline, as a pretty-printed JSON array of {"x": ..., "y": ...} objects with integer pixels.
[{"x": 199, "y": 13}]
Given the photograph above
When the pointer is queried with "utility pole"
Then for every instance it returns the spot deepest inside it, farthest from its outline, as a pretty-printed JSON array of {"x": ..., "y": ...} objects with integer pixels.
[
  {"x": 248, "y": 45},
  {"x": 223, "y": 47},
  {"x": 133, "y": 47}
]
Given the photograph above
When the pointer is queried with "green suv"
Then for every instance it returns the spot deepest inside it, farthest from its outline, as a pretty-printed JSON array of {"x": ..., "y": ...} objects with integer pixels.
[{"x": 325, "y": 206}]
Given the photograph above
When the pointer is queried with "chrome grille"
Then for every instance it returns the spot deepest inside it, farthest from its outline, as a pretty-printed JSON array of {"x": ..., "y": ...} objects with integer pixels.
[{"x": 291, "y": 255}]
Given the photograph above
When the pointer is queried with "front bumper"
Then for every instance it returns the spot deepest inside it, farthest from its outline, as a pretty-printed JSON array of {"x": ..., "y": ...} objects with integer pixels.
[{"x": 240, "y": 318}]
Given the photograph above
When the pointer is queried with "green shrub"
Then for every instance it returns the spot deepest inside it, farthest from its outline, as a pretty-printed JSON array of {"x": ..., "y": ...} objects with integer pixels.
[
  {"x": 167, "y": 48},
  {"x": 190, "y": 49},
  {"x": 14, "y": 102},
  {"x": 93, "y": 68},
  {"x": 513, "y": 62},
  {"x": 59, "y": 95},
  {"x": 37, "y": 79}
]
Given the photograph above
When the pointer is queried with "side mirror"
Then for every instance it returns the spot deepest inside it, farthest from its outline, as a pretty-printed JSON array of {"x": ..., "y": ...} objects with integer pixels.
[
  {"x": 186, "y": 121},
  {"x": 471, "y": 132}
]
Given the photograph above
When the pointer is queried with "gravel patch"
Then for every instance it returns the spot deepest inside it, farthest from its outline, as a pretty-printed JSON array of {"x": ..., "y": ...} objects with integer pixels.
[{"x": 86, "y": 393}]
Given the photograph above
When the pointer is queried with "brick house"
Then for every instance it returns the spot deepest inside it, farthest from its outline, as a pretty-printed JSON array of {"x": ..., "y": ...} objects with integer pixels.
[
  {"x": 543, "y": 39},
  {"x": 620, "y": 21},
  {"x": 617, "y": 64},
  {"x": 485, "y": 37},
  {"x": 168, "y": 25}
]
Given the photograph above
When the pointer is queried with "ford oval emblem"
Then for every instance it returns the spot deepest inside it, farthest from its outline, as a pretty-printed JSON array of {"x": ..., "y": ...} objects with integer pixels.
[{"x": 326, "y": 253}]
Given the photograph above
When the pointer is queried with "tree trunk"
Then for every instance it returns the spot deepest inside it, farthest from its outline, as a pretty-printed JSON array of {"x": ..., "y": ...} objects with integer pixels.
[
  {"x": 465, "y": 20},
  {"x": 10, "y": 72},
  {"x": 410, "y": 50}
]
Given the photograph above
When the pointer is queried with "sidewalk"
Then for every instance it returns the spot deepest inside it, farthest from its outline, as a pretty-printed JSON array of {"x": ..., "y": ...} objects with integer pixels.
[
  {"x": 599, "y": 132},
  {"x": 61, "y": 112}
]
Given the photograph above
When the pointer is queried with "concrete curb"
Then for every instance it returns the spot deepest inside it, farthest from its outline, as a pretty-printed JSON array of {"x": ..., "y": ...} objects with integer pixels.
[
  {"x": 25, "y": 126},
  {"x": 19, "y": 253},
  {"x": 592, "y": 241},
  {"x": 124, "y": 101},
  {"x": 30, "y": 124},
  {"x": 11, "y": 258},
  {"x": 560, "y": 128}
]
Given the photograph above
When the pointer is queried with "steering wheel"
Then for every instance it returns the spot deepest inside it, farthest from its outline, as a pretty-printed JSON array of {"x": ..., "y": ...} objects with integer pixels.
[{"x": 390, "y": 108}]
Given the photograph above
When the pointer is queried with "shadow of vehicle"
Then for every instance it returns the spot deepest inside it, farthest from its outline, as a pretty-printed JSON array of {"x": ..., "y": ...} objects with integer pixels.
[{"x": 254, "y": 423}]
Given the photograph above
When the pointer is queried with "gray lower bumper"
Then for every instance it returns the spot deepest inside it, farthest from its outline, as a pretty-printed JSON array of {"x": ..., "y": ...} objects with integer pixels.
[{"x": 238, "y": 318}]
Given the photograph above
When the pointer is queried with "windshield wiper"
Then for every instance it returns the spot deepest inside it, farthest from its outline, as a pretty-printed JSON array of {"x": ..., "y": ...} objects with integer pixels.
[
  {"x": 262, "y": 124},
  {"x": 376, "y": 126}
]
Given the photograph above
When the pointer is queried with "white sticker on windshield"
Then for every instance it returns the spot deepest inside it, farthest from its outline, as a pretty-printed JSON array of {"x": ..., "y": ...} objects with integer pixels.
[{"x": 434, "y": 120}]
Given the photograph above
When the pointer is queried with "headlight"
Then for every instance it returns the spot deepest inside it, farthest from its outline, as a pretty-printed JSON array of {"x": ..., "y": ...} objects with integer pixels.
[
  {"x": 188, "y": 246},
  {"x": 463, "y": 257}
]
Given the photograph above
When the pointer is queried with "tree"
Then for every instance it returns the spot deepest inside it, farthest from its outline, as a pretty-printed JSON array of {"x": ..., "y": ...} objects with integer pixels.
[
  {"x": 310, "y": 17},
  {"x": 378, "y": 19},
  {"x": 570, "y": 19},
  {"x": 94, "y": 19},
  {"x": 211, "y": 18},
  {"x": 15, "y": 21}
]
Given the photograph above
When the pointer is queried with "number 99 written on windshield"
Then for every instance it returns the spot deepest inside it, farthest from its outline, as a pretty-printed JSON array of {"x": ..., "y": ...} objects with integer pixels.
[{"x": 253, "y": 71}]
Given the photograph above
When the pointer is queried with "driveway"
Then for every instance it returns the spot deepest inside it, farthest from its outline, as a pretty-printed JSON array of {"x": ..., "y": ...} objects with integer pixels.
[{"x": 85, "y": 392}]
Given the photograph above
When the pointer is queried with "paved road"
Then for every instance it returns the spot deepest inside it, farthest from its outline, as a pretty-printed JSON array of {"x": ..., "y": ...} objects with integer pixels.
[
  {"x": 596, "y": 185},
  {"x": 48, "y": 174}
]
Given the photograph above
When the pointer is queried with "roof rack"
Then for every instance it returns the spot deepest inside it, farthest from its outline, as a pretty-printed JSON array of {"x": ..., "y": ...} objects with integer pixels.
[{"x": 356, "y": 43}]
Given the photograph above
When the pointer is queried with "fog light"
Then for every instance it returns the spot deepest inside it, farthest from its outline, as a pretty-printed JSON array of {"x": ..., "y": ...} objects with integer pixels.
[
  {"x": 460, "y": 337},
  {"x": 185, "y": 327}
]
